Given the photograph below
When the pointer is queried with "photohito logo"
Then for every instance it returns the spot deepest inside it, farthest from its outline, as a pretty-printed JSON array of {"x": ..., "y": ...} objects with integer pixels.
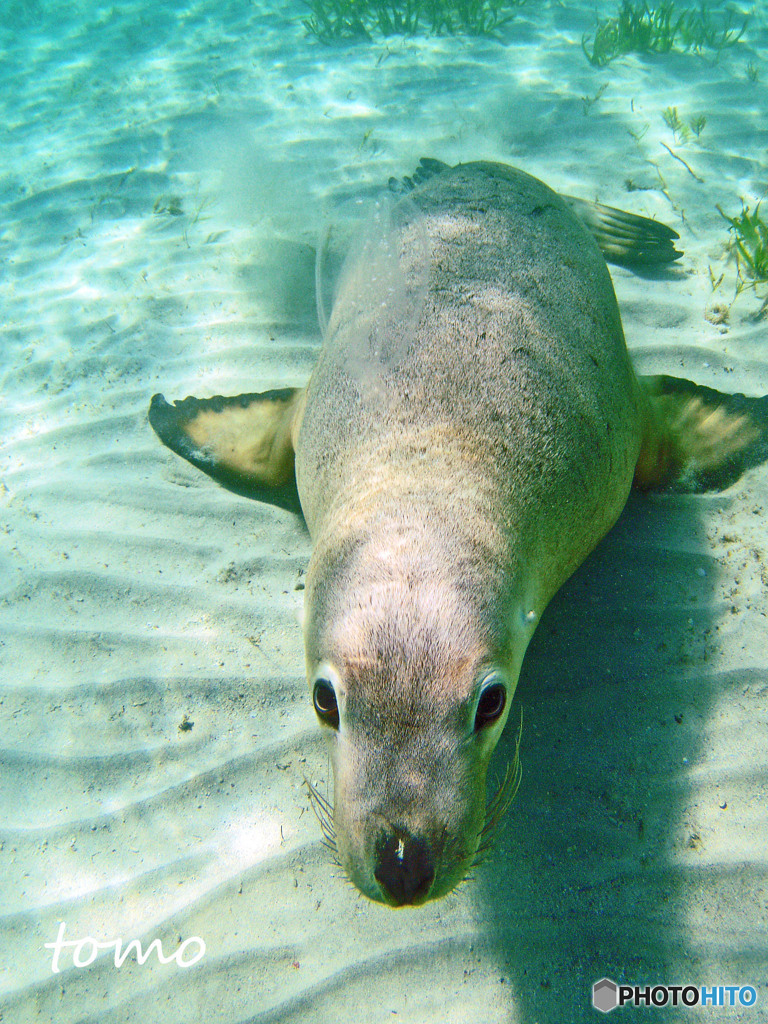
[{"x": 607, "y": 995}]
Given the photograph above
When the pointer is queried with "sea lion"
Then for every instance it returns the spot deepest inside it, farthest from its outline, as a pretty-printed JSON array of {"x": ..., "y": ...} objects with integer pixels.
[{"x": 454, "y": 467}]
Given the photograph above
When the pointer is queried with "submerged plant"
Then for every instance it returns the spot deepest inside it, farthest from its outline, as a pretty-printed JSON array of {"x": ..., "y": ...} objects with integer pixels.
[
  {"x": 682, "y": 130},
  {"x": 697, "y": 30},
  {"x": 336, "y": 20},
  {"x": 640, "y": 28},
  {"x": 749, "y": 246},
  {"x": 697, "y": 124},
  {"x": 636, "y": 28},
  {"x": 672, "y": 120},
  {"x": 589, "y": 101}
]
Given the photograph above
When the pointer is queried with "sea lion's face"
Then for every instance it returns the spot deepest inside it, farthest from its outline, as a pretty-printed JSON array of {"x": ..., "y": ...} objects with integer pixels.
[{"x": 412, "y": 707}]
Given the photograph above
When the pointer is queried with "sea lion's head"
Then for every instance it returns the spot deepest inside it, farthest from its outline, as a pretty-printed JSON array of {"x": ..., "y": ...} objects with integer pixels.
[{"x": 412, "y": 698}]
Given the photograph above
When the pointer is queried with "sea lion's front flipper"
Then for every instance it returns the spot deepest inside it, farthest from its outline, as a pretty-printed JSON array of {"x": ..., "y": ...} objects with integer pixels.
[
  {"x": 244, "y": 442},
  {"x": 698, "y": 439},
  {"x": 626, "y": 238}
]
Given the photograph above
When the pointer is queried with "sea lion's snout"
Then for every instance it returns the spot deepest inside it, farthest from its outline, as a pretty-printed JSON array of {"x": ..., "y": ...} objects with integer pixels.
[
  {"x": 405, "y": 868},
  {"x": 404, "y": 852},
  {"x": 409, "y": 763}
]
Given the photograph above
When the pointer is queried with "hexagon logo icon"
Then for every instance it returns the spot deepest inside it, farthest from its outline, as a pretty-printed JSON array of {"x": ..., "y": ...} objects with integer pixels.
[{"x": 605, "y": 995}]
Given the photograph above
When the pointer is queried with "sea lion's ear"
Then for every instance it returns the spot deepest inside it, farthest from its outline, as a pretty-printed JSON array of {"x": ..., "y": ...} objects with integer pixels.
[{"x": 244, "y": 442}]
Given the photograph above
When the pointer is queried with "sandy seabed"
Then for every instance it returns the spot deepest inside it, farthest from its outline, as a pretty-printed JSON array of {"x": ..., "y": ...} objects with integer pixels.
[{"x": 165, "y": 174}]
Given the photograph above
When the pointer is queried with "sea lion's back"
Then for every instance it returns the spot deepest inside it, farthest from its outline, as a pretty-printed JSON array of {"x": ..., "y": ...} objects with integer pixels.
[
  {"x": 513, "y": 345},
  {"x": 512, "y": 264}
]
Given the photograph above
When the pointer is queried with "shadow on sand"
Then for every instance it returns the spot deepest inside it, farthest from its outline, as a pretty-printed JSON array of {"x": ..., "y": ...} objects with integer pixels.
[{"x": 601, "y": 867}]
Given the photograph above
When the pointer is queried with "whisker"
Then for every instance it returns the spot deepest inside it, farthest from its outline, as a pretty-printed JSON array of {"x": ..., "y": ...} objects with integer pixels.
[
  {"x": 317, "y": 797},
  {"x": 334, "y": 855},
  {"x": 323, "y": 801},
  {"x": 326, "y": 827},
  {"x": 328, "y": 832},
  {"x": 500, "y": 802},
  {"x": 461, "y": 888},
  {"x": 323, "y": 811},
  {"x": 497, "y": 800}
]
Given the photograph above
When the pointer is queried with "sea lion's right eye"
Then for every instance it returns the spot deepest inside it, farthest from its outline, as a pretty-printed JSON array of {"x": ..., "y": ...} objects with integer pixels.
[
  {"x": 324, "y": 699},
  {"x": 492, "y": 702}
]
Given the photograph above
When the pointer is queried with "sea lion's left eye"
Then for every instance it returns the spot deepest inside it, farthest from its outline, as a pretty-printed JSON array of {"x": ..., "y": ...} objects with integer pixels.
[
  {"x": 324, "y": 699},
  {"x": 492, "y": 702}
]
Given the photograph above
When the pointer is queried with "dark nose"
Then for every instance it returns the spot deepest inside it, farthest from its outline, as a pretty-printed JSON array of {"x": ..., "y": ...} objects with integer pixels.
[{"x": 404, "y": 867}]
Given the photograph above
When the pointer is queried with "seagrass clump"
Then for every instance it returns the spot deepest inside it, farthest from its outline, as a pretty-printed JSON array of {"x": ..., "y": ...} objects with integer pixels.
[
  {"x": 639, "y": 27},
  {"x": 338, "y": 20}
]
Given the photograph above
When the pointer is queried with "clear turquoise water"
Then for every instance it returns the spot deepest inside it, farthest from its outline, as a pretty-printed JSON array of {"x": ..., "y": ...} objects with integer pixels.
[{"x": 165, "y": 171}]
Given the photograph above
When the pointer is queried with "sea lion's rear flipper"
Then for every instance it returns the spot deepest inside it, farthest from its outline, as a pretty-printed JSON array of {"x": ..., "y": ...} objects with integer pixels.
[
  {"x": 698, "y": 439},
  {"x": 244, "y": 442},
  {"x": 428, "y": 168},
  {"x": 626, "y": 238}
]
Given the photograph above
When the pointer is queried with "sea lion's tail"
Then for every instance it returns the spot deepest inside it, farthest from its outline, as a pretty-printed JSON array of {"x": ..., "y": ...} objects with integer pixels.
[
  {"x": 626, "y": 238},
  {"x": 698, "y": 439}
]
